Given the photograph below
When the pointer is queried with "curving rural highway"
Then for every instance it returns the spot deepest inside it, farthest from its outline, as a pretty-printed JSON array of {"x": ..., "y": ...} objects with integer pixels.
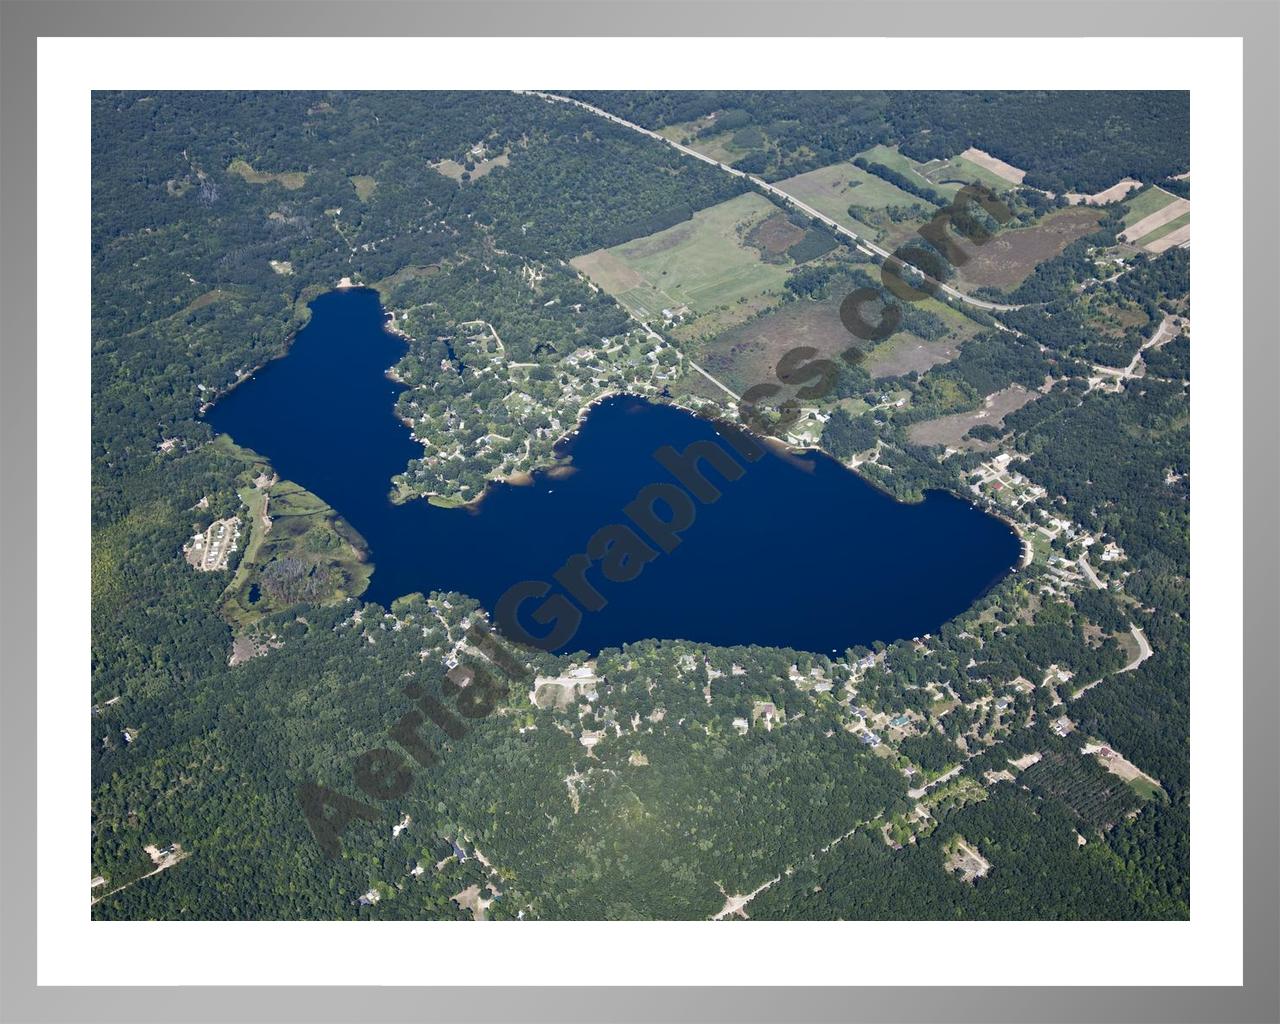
[{"x": 866, "y": 246}]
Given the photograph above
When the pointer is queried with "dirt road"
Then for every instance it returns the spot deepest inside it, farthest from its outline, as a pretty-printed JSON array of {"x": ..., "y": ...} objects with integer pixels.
[{"x": 1168, "y": 329}]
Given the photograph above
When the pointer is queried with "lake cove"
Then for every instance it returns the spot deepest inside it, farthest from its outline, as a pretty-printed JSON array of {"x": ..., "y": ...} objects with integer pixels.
[{"x": 796, "y": 552}]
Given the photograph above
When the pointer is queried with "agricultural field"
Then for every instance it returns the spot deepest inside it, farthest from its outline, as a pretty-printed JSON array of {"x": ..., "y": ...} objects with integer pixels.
[
  {"x": 946, "y": 177},
  {"x": 1145, "y": 203},
  {"x": 705, "y": 269},
  {"x": 1175, "y": 232},
  {"x": 1007, "y": 259},
  {"x": 904, "y": 353},
  {"x": 1157, "y": 220},
  {"x": 995, "y": 165},
  {"x": 834, "y": 189},
  {"x": 1108, "y": 195}
]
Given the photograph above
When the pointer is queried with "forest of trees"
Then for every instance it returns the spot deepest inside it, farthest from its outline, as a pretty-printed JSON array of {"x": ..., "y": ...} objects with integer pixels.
[{"x": 1053, "y": 136}]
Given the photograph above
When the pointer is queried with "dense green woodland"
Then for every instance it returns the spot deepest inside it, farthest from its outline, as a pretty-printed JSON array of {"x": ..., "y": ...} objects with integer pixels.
[
  {"x": 202, "y": 270},
  {"x": 1080, "y": 141}
]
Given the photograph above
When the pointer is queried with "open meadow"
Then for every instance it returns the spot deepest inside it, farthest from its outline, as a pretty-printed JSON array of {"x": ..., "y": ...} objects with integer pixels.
[
  {"x": 749, "y": 354},
  {"x": 704, "y": 268},
  {"x": 1008, "y": 258},
  {"x": 951, "y": 430},
  {"x": 860, "y": 201}
]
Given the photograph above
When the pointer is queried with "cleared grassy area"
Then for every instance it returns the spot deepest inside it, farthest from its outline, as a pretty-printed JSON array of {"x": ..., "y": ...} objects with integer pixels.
[
  {"x": 364, "y": 186},
  {"x": 453, "y": 169},
  {"x": 291, "y": 180},
  {"x": 960, "y": 171},
  {"x": 891, "y": 158},
  {"x": 950, "y": 430},
  {"x": 719, "y": 146},
  {"x": 832, "y": 190},
  {"x": 704, "y": 263},
  {"x": 1145, "y": 788}
]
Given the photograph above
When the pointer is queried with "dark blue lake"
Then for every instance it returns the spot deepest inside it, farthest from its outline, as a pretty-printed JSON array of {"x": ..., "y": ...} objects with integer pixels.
[{"x": 797, "y": 552}]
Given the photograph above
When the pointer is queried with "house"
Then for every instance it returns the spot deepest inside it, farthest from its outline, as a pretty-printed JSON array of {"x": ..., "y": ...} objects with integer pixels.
[
  {"x": 869, "y": 739},
  {"x": 765, "y": 710}
]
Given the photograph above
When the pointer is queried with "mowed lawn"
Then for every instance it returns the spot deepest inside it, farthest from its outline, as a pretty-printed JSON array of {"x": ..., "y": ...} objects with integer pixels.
[{"x": 702, "y": 263}]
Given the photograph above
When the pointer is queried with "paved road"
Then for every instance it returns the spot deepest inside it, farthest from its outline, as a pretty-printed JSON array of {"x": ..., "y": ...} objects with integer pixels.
[
  {"x": 866, "y": 246},
  {"x": 1087, "y": 569},
  {"x": 1144, "y": 649}
]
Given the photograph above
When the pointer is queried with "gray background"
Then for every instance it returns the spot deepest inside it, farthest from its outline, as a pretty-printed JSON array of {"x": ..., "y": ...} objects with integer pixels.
[{"x": 22, "y": 22}]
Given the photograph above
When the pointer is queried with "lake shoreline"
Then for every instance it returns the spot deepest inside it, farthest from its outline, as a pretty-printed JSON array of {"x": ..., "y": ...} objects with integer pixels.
[{"x": 860, "y": 564}]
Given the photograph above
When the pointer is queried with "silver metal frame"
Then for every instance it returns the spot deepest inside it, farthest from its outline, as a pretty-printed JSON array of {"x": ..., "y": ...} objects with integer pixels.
[{"x": 21, "y": 23}]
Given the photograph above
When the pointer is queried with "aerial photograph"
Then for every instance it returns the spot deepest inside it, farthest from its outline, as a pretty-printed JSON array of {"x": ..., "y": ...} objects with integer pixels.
[{"x": 640, "y": 505}]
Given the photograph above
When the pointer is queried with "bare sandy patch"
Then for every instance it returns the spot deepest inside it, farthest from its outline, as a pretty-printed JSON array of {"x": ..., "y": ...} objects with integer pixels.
[
  {"x": 162, "y": 859},
  {"x": 470, "y": 899},
  {"x": 950, "y": 430},
  {"x": 735, "y": 906},
  {"x": 1108, "y": 195},
  {"x": 964, "y": 858},
  {"x": 995, "y": 165},
  {"x": 560, "y": 691},
  {"x": 1116, "y": 763}
]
